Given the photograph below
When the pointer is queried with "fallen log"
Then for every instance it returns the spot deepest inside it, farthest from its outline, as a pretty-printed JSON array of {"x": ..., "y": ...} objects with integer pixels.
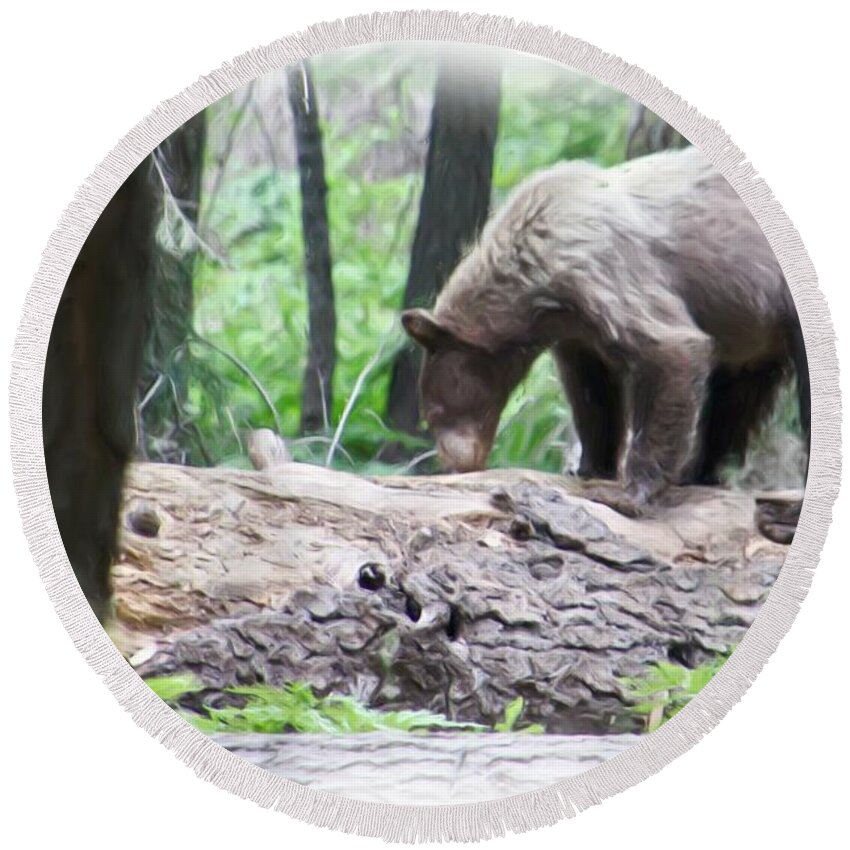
[{"x": 454, "y": 594}]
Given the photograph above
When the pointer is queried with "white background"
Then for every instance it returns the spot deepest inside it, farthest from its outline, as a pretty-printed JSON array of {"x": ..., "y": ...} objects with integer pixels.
[{"x": 77, "y": 76}]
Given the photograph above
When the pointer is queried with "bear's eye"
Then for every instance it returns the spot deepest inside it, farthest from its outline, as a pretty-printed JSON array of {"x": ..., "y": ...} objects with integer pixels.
[{"x": 435, "y": 413}]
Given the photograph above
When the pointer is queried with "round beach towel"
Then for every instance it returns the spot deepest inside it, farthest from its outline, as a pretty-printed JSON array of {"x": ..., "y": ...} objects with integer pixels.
[{"x": 422, "y": 418}]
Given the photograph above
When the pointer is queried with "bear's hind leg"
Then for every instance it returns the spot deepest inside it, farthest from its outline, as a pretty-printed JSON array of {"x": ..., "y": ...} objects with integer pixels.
[{"x": 737, "y": 405}]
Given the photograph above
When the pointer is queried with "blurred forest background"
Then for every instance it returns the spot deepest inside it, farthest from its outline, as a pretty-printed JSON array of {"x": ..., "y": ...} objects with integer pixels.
[{"x": 299, "y": 215}]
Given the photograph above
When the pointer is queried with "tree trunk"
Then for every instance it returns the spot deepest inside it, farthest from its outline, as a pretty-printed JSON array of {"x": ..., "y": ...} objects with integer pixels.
[
  {"x": 179, "y": 162},
  {"x": 649, "y": 134},
  {"x": 454, "y": 206},
  {"x": 317, "y": 394},
  {"x": 93, "y": 363}
]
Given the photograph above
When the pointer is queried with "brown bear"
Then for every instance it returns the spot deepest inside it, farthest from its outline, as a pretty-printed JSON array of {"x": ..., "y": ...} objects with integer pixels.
[{"x": 663, "y": 304}]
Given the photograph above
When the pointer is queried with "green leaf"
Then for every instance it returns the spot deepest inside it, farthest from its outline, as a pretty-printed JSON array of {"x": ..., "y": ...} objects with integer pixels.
[
  {"x": 172, "y": 688},
  {"x": 665, "y": 688}
]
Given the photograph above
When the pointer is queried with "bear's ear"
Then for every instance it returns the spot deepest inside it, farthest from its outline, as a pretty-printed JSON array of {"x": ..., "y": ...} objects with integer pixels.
[{"x": 424, "y": 328}]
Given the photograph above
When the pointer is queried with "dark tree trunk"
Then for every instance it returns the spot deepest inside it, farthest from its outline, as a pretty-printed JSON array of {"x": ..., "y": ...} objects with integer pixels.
[
  {"x": 649, "y": 134},
  {"x": 321, "y": 356},
  {"x": 93, "y": 363},
  {"x": 180, "y": 165},
  {"x": 454, "y": 206}
]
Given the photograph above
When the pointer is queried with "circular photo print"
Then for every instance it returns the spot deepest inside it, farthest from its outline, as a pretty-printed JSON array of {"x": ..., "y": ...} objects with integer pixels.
[{"x": 426, "y": 424}]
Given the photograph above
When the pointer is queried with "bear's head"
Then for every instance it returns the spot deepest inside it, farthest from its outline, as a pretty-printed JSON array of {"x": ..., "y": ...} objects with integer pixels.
[{"x": 463, "y": 389}]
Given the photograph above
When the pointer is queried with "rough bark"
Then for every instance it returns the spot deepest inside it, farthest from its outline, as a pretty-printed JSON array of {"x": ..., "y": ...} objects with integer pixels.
[
  {"x": 453, "y": 593},
  {"x": 649, "y": 134},
  {"x": 321, "y": 349},
  {"x": 92, "y": 369},
  {"x": 454, "y": 205}
]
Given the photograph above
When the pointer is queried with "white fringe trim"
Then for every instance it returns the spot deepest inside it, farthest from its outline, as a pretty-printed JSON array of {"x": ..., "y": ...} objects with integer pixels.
[{"x": 420, "y": 823}]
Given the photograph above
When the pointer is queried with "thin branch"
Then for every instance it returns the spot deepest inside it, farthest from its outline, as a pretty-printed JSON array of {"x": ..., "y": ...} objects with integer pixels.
[
  {"x": 305, "y": 87},
  {"x": 187, "y": 424},
  {"x": 233, "y": 429},
  {"x": 324, "y": 396},
  {"x": 352, "y": 399},
  {"x": 383, "y": 425},
  {"x": 173, "y": 205},
  {"x": 418, "y": 459},
  {"x": 247, "y": 373},
  {"x": 140, "y": 407},
  {"x": 316, "y": 438}
]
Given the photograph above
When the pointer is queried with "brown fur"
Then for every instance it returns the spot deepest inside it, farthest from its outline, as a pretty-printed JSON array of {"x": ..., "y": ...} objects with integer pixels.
[{"x": 667, "y": 312}]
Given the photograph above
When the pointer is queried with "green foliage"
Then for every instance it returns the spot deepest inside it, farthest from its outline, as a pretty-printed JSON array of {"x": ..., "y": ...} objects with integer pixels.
[
  {"x": 246, "y": 355},
  {"x": 250, "y": 295},
  {"x": 536, "y": 423},
  {"x": 172, "y": 688},
  {"x": 549, "y": 115},
  {"x": 294, "y": 708},
  {"x": 255, "y": 307},
  {"x": 665, "y": 688},
  {"x": 513, "y": 712}
]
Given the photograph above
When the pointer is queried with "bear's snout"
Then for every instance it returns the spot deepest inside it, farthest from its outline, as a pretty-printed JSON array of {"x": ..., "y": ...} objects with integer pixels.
[{"x": 461, "y": 451}]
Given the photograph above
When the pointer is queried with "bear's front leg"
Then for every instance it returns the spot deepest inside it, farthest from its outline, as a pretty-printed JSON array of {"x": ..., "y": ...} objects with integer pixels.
[
  {"x": 594, "y": 392},
  {"x": 613, "y": 495},
  {"x": 666, "y": 394}
]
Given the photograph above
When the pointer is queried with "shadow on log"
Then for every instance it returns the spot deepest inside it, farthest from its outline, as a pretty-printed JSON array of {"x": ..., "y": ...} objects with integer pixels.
[{"x": 454, "y": 594}]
